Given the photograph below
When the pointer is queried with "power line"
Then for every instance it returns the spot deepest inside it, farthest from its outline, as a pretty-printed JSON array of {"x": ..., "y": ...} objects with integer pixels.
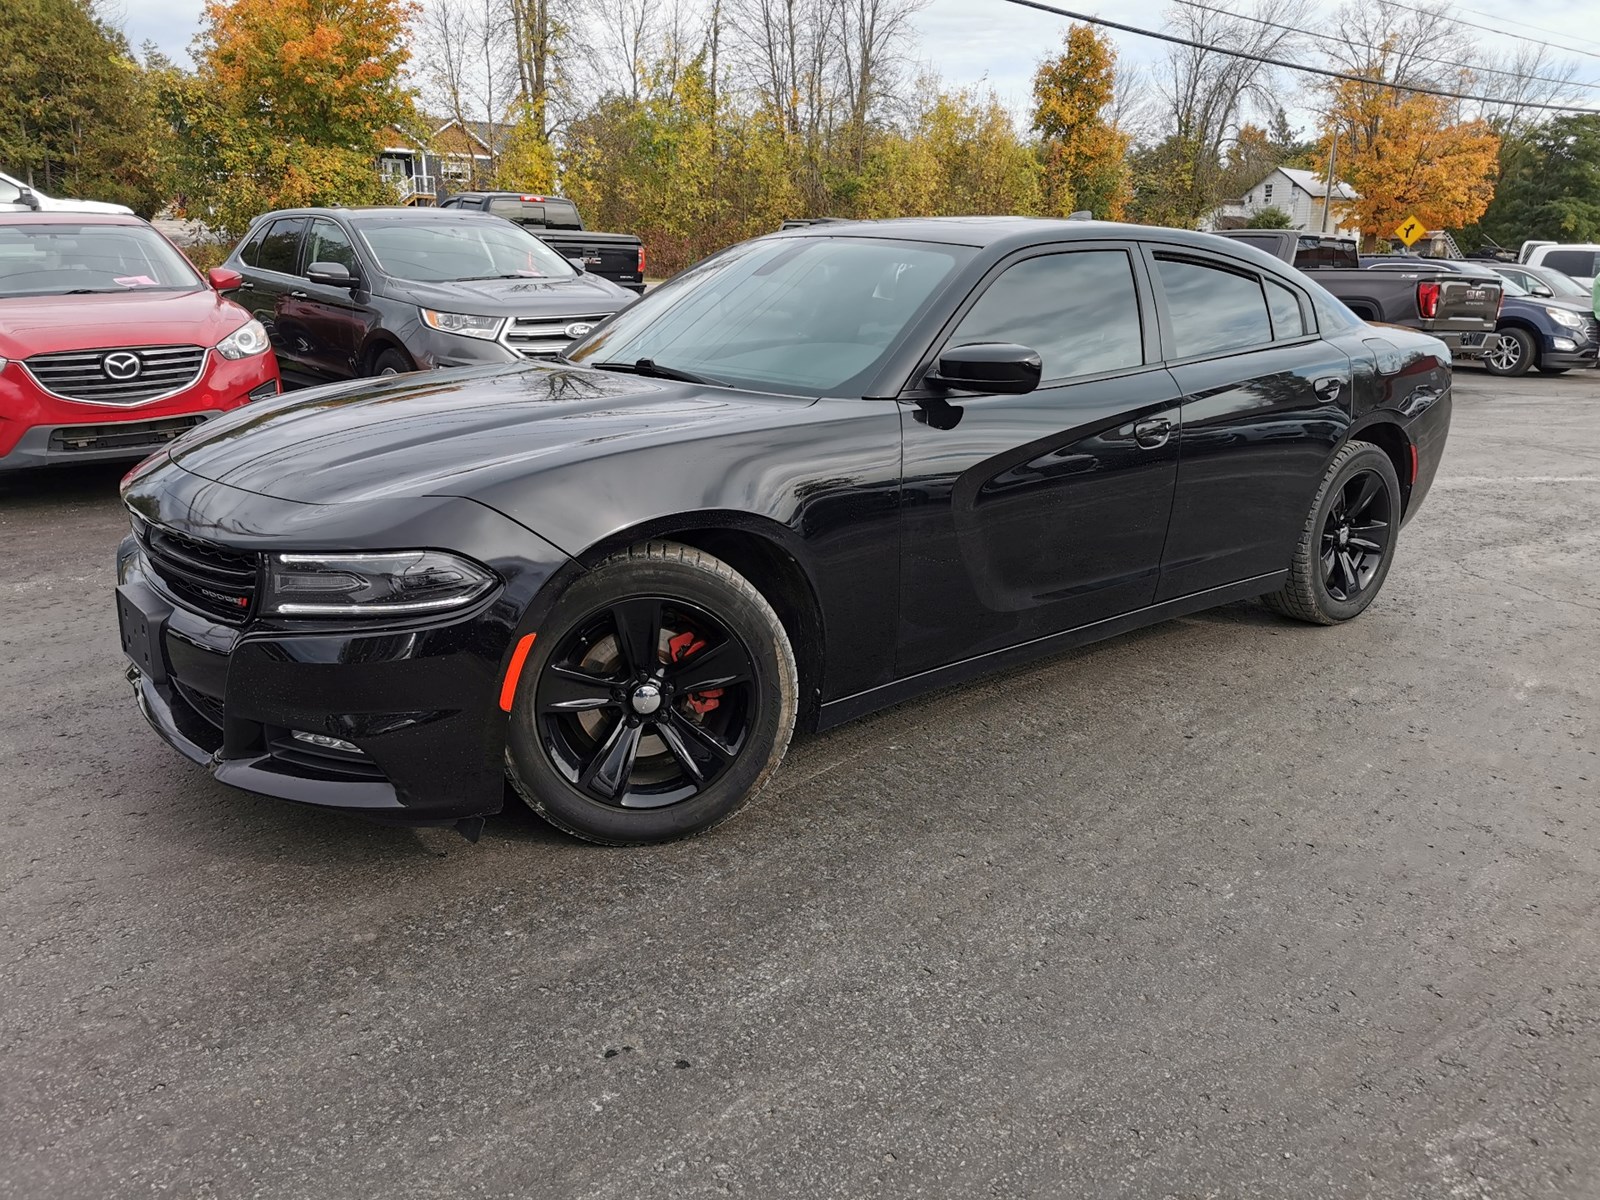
[
  {"x": 1541, "y": 29},
  {"x": 1294, "y": 66},
  {"x": 1433, "y": 13},
  {"x": 1442, "y": 62}
]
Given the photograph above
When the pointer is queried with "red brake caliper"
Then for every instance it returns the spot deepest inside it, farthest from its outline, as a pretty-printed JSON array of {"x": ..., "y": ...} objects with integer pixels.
[{"x": 680, "y": 648}]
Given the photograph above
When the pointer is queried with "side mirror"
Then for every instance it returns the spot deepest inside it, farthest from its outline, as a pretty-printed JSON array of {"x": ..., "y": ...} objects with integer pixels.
[
  {"x": 577, "y": 265},
  {"x": 27, "y": 198},
  {"x": 1541, "y": 291},
  {"x": 332, "y": 274},
  {"x": 224, "y": 280},
  {"x": 996, "y": 367}
]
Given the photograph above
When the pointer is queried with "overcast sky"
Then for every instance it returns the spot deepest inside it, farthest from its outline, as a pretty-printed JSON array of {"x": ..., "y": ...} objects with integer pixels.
[{"x": 993, "y": 43}]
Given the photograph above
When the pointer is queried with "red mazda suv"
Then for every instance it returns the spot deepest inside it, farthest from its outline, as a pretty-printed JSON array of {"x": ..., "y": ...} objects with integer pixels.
[{"x": 111, "y": 343}]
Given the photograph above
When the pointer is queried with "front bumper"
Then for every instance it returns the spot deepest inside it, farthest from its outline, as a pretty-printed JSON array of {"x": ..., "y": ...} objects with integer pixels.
[
  {"x": 1587, "y": 354},
  {"x": 38, "y": 429},
  {"x": 415, "y": 703}
]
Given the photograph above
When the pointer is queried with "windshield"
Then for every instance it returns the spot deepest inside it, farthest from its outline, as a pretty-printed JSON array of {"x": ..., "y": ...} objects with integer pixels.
[
  {"x": 453, "y": 251},
  {"x": 72, "y": 259},
  {"x": 804, "y": 316},
  {"x": 1561, "y": 285}
]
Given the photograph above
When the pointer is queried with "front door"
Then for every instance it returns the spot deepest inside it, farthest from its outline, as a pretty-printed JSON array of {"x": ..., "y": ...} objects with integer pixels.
[
  {"x": 326, "y": 324},
  {"x": 1027, "y": 515}
]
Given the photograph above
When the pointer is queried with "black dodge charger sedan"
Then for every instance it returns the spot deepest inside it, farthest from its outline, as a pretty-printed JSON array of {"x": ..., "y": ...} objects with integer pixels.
[{"x": 816, "y": 474}]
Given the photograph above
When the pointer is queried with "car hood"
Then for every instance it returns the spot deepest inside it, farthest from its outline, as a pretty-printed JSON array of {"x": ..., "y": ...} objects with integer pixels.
[
  {"x": 42, "y": 324},
  {"x": 581, "y": 295},
  {"x": 455, "y": 433}
]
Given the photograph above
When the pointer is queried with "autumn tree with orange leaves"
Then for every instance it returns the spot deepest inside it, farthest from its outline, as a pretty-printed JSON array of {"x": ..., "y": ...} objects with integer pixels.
[
  {"x": 1407, "y": 155},
  {"x": 288, "y": 105},
  {"x": 1083, "y": 155}
]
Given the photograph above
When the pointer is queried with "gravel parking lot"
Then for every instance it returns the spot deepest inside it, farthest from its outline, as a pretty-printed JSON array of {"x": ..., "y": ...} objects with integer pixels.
[{"x": 1231, "y": 907}]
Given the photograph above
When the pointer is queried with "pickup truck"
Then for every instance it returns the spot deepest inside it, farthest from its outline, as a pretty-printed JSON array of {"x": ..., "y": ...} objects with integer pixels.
[
  {"x": 1460, "y": 310},
  {"x": 554, "y": 220}
]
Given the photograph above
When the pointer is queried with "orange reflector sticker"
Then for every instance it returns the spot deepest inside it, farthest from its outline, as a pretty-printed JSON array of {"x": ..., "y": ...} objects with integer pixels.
[{"x": 508, "y": 689}]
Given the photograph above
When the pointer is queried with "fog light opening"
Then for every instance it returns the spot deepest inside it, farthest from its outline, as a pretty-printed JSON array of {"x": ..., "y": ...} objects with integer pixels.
[
  {"x": 323, "y": 740},
  {"x": 1565, "y": 344}
]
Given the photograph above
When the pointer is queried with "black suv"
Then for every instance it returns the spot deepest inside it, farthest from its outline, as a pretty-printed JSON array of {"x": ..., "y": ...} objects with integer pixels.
[{"x": 378, "y": 291}]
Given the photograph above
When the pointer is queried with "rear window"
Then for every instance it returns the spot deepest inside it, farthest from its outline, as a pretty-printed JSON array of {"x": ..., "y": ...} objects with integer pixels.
[
  {"x": 1577, "y": 263},
  {"x": 77, "y": 259},
  {"x": 1315, "y": 253},
  {"x": 1213, "y": 310},
  {"x": 548, "y": 213}
]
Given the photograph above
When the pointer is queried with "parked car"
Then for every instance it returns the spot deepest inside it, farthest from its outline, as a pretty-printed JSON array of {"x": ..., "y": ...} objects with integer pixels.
[
  {"x": 1460, "y": 312},
  {"x": 13, "y": 192},
  {"x": 111, "y": 343},
  {"x": 819, "y": 473},
  {"x": 618, "y": 257},
  {"x": 1552, "y": 333},
  {"x": 1541, "y": 282},
  {"x": 380, "y": 291},
  {"x": 1580, "y": 260}
]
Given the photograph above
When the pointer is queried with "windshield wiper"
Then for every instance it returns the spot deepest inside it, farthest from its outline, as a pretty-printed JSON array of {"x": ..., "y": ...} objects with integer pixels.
[
  {"x": 476, "y": 278},
  {"x": 654, "y": 370}
]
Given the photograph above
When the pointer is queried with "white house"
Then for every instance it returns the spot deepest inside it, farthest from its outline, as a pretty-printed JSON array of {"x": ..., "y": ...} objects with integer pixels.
[{"x": 1301, "y": 194}]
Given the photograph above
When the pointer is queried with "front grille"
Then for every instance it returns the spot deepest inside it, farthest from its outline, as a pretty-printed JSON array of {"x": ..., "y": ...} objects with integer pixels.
[
  {"x": 207, "y": 707},
  {"x": 118, "y": 374},
  {"x": 1591, "y": 330},
  {"x": 122, "y": 435},
  {"x": 542, "y": 337},
  {"x": 201, "y": 575}
]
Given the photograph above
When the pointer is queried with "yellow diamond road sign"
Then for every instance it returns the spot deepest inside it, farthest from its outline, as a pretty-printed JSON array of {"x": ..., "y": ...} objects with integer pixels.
[{"x": 1410, "y": 230}]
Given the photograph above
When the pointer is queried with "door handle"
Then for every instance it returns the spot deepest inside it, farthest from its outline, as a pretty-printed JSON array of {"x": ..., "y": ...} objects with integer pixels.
[
  {"x": 298, "y": 296},
  {"x": 1152, "y": 434},
  {"x": 1329, "y": 387}
]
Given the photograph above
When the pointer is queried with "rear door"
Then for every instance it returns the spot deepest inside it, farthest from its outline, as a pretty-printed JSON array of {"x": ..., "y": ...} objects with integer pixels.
[
  {"x": 1265, "y": 401},
  {"x": 1028, "y": 515},
  {"x": 271, "y": 278}
]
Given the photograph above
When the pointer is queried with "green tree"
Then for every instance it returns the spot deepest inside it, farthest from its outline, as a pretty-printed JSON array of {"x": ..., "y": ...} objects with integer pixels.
[
  {"x": 75, "y": 115},
  {"x": 1083, "y": 154},
  {"x": 1269, "y": 218},
  {"x": 1549, "y": 185}
]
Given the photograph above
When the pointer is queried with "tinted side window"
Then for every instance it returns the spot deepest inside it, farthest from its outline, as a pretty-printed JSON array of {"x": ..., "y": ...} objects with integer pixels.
[
  {"x": 277, "y": 252},
  {"x": 1079, "y": 311},
  {"x": 1571, "y": 262},
  {"x": 331, "y": 244},
  {"x": 1213, "y": 310},
  {"x": 1287, "y": 322},
  {"x": 1261, "y": 241},
  {"x": 252, "y": 245}
]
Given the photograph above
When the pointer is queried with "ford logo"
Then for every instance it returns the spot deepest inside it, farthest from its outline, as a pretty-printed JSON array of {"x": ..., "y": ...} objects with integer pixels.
[
  {"x": 121, "y": 366},
  {"x": 579, "y": 329}
]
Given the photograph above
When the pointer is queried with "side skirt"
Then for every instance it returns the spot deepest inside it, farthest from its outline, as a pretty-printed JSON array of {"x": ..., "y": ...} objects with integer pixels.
[{"x": 848, "y": 708}]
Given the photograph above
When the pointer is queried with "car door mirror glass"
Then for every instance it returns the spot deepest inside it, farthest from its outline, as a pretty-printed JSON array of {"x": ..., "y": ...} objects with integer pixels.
[
  {"x": 331, "y": 274},
  {"x": 1000, "y": 367}
]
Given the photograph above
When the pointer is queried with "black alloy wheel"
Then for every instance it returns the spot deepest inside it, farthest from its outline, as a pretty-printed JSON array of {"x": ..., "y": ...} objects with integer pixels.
[
  {"x": 1355, "y": 536},
  {"x": 659, "y": 698},
  {"x": 1348, "y": 541},
  {"x": 647, "y": 702}
]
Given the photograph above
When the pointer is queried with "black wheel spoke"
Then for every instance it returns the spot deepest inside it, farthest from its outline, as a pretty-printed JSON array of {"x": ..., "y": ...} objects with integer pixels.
[
  {"x": 1352, "y": 579},
  {"x": 639, "y": 633},
  {"x": 710, "y": 752},
  {"x": 717, "y": 668},
  {"x": 565, "y": 689},
  {"x": 674, "y": 740},
  {"x": 607, "y": 773},
  {"x": 1364, "y": 544},
  {"x": 1370, "y": 487}
]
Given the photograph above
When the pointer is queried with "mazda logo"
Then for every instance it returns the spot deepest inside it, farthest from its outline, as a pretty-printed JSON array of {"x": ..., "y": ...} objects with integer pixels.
[
  {"x": 121, "y": 366},
  {"x": 578, "y": 329}
]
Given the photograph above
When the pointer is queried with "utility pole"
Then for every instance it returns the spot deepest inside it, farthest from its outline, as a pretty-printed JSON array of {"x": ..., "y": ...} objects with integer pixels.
[{"x": 1327, "y": 195}]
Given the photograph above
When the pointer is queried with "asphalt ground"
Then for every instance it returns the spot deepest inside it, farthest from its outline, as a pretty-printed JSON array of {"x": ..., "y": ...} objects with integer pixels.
[{"x": 1230, "y": 907}]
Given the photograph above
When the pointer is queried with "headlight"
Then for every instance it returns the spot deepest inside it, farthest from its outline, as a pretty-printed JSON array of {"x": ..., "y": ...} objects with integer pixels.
[
  {"x": 392, "y": 582},
  {"x": 1561, "y": 316},
  {"x": 487, "y": 328},
  {"x": 250, "y": 338}
]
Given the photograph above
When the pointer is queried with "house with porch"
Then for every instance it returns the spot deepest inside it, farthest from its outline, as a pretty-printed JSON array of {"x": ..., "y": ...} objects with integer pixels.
[{"x": 456, "y": 156}]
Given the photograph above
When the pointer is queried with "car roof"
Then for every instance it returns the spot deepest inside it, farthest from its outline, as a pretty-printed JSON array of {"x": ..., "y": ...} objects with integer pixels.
[
  {"x": 1002, "y": 232},
  {"x": 29, "y": 216},
  {"x": 381, "y": 213}
]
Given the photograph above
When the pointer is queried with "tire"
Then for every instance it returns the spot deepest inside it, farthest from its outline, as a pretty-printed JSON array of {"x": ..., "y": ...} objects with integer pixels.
[
  {"x": 1318, "y": 588},
  {"x": 607, "y": 741},
  {"x": 391, "y": 362},
  {"x": 1510, "y": 352}
]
